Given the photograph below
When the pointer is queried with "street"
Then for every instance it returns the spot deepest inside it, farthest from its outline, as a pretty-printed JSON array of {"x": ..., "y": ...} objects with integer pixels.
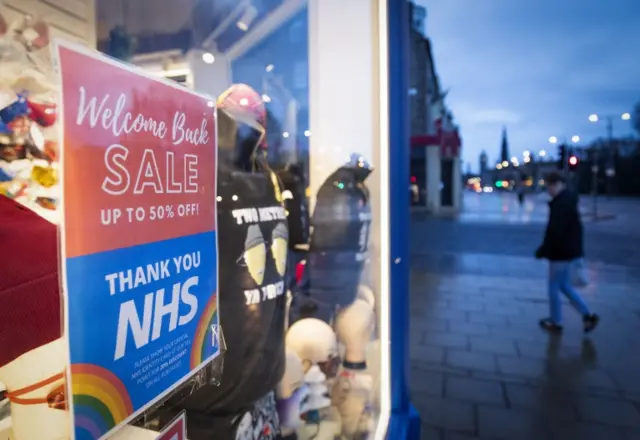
[{"x": 481, "y": 366}]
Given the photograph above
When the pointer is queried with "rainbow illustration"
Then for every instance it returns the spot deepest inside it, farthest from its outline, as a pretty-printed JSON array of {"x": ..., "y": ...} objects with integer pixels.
[
  {"x": 100, "y": 400},
  {"x": 202, "y": 348}
]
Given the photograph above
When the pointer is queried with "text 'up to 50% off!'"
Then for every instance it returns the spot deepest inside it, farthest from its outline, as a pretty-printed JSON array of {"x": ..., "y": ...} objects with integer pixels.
[{"x": 112, "y": 216}]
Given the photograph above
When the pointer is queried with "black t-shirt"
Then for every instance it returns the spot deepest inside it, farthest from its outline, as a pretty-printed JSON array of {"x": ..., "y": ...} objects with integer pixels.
[{"x": 252, "y": 250}]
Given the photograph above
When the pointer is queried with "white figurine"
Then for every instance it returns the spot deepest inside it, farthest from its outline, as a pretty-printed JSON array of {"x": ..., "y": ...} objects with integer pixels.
[
  {"x": 314, "y": 341},
  {"x": 316, "y": 381},
  {"x": 352, "y": 391},
  {"x": 354, "y": 328}
]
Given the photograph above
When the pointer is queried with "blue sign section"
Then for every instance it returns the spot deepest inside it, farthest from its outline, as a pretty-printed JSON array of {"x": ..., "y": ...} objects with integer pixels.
[{"x": 149, "y": 321}]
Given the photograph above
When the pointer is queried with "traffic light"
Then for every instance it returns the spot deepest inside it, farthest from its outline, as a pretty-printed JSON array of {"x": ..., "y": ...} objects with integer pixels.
[
  {"x": 562, "y": 156},
  {"x": 573, "y": 162}
]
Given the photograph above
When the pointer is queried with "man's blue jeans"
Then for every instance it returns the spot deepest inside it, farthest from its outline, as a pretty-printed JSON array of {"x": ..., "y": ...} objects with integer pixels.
[{"x": 560, "y": 281}]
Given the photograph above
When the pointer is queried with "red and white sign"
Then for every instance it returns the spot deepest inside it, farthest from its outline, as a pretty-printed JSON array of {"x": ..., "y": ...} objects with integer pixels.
[{"x": 177, "y": 430}]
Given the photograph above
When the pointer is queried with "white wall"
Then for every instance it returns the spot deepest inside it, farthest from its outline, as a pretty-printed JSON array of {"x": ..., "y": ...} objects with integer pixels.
[
  {"x": 212, "y": 79},
  {"x": 73, "y": 20},
  {"x": 343, "y": 89},
  {"x": 348, "y": 112}
]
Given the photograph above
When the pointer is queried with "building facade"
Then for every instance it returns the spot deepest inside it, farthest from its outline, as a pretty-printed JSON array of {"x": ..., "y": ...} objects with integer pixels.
[{"x": 435, "y": 140}]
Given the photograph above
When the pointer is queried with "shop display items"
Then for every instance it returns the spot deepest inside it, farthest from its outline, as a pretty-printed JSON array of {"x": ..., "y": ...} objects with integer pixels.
[
  {"x": 253, "y": 238},
  {"x": 338, "y": 390},
  {"x": 339, "y": 243},
  {"x": 32, "y": 360},
  {"x": 315, "y": 377},
  {"x": 28, "y": 137}
]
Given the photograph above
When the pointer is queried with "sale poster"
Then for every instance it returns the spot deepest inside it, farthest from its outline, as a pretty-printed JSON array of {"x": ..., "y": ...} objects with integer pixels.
[{"x": 138, "y": 237}]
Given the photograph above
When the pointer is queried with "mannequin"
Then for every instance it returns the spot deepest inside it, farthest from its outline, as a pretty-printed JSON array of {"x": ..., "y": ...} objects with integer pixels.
[
  {"x": 339, "y": 243},
  {"x": 252, "y": 244},
  {"x": 31, "y": 350},
  {"x": 352, "y": 391}
]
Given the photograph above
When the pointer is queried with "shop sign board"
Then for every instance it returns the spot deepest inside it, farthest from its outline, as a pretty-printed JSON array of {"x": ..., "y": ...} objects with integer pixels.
[{"x": 138, "y": 237}]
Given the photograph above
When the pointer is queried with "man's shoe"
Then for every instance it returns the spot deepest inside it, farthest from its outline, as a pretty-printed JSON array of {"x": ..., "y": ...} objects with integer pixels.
[
  {"x": 590, "y": 322},
  {"x": 550, "y": 326}
]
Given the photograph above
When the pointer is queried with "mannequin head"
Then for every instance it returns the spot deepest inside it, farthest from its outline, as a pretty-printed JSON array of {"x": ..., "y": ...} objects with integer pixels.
[
  {"x": 354, "y": 327},
  {"x": 244, "y": 101},
  {"x": 238, "y": 139},
  {"x": 361, "y": 167},
  {"x": 315, "y": 343}
]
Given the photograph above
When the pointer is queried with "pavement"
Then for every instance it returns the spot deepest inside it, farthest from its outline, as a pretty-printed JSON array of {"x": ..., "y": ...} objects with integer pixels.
[{"x": 482, "y": 368}]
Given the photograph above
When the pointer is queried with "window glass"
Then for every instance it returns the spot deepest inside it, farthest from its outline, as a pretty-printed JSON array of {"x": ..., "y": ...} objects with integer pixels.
[{"x": 299, "y": 233}]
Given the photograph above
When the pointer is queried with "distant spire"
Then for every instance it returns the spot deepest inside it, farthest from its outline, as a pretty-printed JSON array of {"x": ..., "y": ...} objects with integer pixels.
[
  {"x": 504, "y": 148},
  {"x": 484, "y": 159}
]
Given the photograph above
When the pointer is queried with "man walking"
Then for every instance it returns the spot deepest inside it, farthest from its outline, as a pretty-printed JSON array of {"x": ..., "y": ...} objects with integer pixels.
[{"x": 562, "y": 245}]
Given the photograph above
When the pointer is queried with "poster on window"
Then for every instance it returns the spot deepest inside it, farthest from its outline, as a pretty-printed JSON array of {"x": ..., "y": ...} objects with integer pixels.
[{"x": 138, "y": 237}]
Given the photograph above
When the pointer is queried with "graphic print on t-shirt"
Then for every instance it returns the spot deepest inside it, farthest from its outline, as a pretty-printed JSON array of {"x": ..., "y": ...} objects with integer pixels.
[{"x": 254, "y": 256}]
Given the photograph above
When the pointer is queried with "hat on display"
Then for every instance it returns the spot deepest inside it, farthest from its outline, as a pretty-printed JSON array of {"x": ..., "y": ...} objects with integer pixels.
[
  {"x": 241, "y": 98},
  {"x": 29, "y": 289},
  {"x": 244, "y": 100}
]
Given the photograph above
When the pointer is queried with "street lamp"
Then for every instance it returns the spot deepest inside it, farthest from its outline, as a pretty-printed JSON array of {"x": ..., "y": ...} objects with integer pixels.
[
  {"x": 554, "y": 140},
  {"x": 610, "y": 171},
  {"x": 594, "y": 117},
  {"x": 542, "y": 153}
]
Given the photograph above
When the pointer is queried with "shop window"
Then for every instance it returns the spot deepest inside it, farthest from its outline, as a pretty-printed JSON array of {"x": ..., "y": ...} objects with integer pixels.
[{"x": 296, "y": 258}]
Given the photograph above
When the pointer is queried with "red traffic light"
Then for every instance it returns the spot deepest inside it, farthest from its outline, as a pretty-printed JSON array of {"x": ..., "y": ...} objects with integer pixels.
[{"x": 573, "y": 161}]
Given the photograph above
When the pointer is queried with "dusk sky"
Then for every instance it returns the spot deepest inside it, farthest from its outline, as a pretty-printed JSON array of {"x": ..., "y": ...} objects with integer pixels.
[{"x": 537, "y": 67}]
